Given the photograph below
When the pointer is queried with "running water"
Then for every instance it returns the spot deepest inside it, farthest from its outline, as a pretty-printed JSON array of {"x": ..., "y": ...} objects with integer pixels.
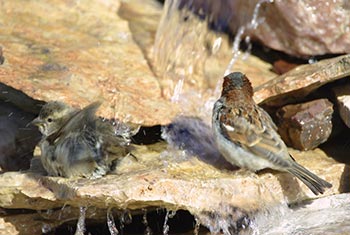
[
  {"x": 169, "y": 214},
  {"x": 176, "y": 56},
  {"x": 251, "y": 25},
  {"x": 81, "y": 222},
  {"x": 186, "y": 51}
]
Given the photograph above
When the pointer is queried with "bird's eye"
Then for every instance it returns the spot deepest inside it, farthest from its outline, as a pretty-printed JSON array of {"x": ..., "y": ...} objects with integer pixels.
[{"x": 49, "y": 120}]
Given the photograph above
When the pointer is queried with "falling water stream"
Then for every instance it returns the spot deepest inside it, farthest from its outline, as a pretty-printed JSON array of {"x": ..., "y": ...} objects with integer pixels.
[{"x": 184, "y": 49}]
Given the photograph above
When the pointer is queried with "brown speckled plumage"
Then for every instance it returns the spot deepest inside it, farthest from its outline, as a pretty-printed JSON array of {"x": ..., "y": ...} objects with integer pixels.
[{"x": 247, "y": 137}]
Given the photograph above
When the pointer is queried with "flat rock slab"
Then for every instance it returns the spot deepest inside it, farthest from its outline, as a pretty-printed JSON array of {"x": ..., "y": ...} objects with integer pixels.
[
  {"x": 79, "y": 53},
  {"x": 169, "y": 179},
  {"x": 301, "y": 81}
]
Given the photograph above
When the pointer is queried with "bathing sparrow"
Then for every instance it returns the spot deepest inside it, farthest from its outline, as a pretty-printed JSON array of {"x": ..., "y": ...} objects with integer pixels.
[
  {"x": 247, "y": 137},
  {"x": 76, "y": 142}
]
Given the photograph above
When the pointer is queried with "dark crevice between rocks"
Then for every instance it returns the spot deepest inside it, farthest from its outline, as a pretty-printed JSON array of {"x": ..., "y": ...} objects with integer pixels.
[{"x": 148, "y": 135}]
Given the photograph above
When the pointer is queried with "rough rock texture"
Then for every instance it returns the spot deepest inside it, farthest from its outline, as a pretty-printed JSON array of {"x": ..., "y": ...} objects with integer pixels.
[
  {"x": 342, "y": 94},
  {"x": 305, "y": 126},
  {"x": 300, "y": 28},
  {"x": 81, "y": 53},
  {"x": 73, "y": 57},
  {"x": 301, "y": 81}
]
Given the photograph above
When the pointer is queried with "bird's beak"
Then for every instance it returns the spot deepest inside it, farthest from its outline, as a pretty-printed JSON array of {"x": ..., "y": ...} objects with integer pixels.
[{"x": 36, "y": 122}]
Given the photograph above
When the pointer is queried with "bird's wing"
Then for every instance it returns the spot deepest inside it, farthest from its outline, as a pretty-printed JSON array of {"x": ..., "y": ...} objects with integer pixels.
[
  {"x": 76, "y": 121},
  {"x": 255, "y": 132}
]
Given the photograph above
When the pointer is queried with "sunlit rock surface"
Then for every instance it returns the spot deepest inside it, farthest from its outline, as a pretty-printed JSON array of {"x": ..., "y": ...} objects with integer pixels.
[
  {"x": 175, "y": 181},
  {"x": 301, "y": 81},
  {"x": 78, "y": 53},
  {"x": 342, "y": 94}
]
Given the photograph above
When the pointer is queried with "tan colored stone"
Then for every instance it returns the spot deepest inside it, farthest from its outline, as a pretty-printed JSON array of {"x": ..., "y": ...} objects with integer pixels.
[
  {"x": 175, "y": 181},
  {"x": 342, "y": 94},
  {"x": 299, "y": 82},
  {"x": 79, "y": 54}
]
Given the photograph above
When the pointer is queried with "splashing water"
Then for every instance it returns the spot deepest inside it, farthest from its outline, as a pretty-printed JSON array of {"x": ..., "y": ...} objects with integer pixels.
[
  {"x": 196, "y": 226},
  {"x": 169, "y": 214},
  {"x": 327, "y": 215},
  {"x": 182, "y": 53},
  {"x": 81, "y": 221},
  {"x": 176, "y": 57},
  {"x": 252, "y": 25},
  {"x": 111, "y": 224},
  {"x": 125, "y": 217}
]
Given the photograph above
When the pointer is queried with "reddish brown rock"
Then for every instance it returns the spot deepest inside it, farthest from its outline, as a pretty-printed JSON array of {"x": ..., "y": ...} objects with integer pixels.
[
  {"x": 300, "y": 28},
  {"x": 307, "y": 125},
  {"x": 282, "y": 66}
]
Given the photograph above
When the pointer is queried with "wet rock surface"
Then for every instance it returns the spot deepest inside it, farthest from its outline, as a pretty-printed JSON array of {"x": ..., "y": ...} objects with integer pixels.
[
  {"x": 305, "y": 126},
  {"x": 176, "y": 181}
]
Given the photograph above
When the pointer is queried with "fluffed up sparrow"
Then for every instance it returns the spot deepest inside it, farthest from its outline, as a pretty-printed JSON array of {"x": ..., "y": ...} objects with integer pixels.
[
  {"x": 76, "y": 142},
  {"x": 247, "y": 137}
]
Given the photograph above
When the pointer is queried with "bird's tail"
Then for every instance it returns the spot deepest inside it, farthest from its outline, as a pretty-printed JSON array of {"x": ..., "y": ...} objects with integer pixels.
[{"x": 312, "y": 181}]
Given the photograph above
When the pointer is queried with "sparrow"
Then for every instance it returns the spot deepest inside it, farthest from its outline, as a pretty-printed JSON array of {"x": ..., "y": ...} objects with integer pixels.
[
  {"x": 247, "y": 137},
  {"x": 77, "y": 143}
]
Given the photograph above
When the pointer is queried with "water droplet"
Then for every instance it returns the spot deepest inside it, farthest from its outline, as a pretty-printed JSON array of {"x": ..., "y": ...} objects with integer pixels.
[{"x": 111, "y": 224}]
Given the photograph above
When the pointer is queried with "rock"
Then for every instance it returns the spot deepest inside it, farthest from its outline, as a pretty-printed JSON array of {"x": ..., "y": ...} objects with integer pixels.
[
  {"x": 172, "y": 179},
  {"x": 72, "y": 57},
  {"x": 109, "y": 66},
  {"x": 282, "y": 66},
  {"x": 301, "y": 81},
  {"x": 297, "y": 28},
  {"x": 342, "y": 94},
  {"x": 307, "y": 125}
]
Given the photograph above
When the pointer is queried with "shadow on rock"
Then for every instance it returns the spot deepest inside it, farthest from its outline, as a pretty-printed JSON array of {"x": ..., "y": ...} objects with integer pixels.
[{"x": 195, "y": 137}]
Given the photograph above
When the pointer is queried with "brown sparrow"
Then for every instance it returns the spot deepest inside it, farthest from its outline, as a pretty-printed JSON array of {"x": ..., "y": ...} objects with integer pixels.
[
  {"x": 246, "y": 135},
  {"x": 76, "y": 142}
]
